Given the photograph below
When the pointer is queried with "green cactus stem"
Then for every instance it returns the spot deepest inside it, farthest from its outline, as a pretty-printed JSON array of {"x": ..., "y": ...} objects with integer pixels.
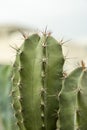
[
  {"x": 37, "y": 82},
  {"x": 72, "y": 114}
]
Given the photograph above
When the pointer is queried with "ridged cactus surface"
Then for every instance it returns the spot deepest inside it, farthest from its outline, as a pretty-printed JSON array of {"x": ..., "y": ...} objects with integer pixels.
[
  {"x": 42, "y": 98},
  {"x": 16, "y": 94},
  {"x": 37, "y": 81},
  {"x": 73, "y": 102}
]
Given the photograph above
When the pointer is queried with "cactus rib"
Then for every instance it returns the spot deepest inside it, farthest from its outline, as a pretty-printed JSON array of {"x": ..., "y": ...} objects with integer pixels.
[
  {"x": 72, "y": 102},
  {"x": 53, "y": 80},
  {"x": 16, "y": 94},
  {"x": 39, "y": 82}
]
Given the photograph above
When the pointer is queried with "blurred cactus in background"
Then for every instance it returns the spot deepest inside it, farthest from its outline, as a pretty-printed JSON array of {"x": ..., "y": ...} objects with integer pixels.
[{"x": 6, "y": 112}]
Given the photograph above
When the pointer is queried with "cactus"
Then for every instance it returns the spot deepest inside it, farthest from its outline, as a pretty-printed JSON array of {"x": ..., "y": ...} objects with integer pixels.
[
  {"x": 72, "y": 114},
  {"x": 42, "y": 98},
  {"x": 37, "y": 82},
  {"x": 6, "y": 112}
]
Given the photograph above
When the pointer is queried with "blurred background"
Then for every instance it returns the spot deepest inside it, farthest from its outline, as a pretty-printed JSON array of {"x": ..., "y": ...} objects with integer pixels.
[{"x": 66, "y": 19}]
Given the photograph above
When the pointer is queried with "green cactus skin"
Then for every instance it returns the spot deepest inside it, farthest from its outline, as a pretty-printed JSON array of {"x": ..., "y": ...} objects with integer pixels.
[
  {"x": 73, "y": 102},
  {"x": 38, "y": 83},
  {"x": 53, "y": 80},
  {"x": 15, "y": 92}
]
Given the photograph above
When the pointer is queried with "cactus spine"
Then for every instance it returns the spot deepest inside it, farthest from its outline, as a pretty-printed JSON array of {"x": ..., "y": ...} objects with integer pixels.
[{"x": 37, "y": 82}]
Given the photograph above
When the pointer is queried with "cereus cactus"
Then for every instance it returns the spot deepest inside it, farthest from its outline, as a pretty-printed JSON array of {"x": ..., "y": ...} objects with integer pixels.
[
  {"x": 45, "y": 98},
  {"x": 72, "y": 114},
  {"x": 37, "y": 82}
]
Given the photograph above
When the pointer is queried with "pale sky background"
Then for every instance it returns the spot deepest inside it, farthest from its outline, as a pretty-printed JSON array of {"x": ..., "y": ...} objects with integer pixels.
[{"x": 65, "y": 18}]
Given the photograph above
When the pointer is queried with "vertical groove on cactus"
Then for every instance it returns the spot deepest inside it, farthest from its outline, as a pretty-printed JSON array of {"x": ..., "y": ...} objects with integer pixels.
[
  {"x": 43, "y": 75},
  {"x": 39, "y": 82}
]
